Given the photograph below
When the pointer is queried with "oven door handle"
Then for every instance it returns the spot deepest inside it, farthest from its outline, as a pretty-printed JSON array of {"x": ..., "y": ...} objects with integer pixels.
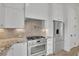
[{"x": 38, "y": 44}]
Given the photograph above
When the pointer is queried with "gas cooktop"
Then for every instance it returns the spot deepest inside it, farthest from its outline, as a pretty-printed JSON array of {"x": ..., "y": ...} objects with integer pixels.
[{"x": 34, "y": 37}]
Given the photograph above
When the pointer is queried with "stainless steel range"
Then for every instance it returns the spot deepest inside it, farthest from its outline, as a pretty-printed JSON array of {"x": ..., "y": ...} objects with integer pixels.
[{"x": 37, "y": 46}]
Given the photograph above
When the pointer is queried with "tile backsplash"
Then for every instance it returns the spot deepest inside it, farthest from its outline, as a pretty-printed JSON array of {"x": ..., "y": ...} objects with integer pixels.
[
  {"x": 10, "y": 33},
  {"x": 34, "y": 27}
]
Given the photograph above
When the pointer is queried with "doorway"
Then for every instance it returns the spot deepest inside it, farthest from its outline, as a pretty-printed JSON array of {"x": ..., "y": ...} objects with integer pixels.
[{"x": 58, "y": 35}]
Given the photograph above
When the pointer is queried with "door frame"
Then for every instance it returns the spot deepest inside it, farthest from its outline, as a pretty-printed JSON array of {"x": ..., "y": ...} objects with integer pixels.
[{"x": 54, "y": 31}]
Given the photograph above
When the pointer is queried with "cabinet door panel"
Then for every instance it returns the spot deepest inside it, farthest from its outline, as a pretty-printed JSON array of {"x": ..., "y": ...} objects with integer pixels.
[
  {"x": 10, "y": 52},
  {"x": 15, "y": 5},
  {"x": 1, "y": 4},
  {"x": 49, "y": 46},
  {"x": 38, "y": 11},
  {"x": 14, "y": 18},
  {"x": 1, "y": 16},
  {"x": 19, "y": 49}
]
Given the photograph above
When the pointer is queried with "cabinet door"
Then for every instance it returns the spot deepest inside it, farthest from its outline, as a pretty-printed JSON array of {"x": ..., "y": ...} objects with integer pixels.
[
  {"x": 49, "y": 46},
  {"x": 38, "y": 11},
  {"x": 1, "y": 16},
  {"x": 10, "y": 52},
  {"x": 14, "y": 5},
  {"x": 1, "y": 4},
  {"x": 57, "y": 11},
  {"x": 14, "y": 18},
  {"x": 19, "y": 49}
]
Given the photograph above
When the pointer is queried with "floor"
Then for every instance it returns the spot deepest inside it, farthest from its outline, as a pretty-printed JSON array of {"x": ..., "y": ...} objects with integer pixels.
[{"x": 73, "y": 52}]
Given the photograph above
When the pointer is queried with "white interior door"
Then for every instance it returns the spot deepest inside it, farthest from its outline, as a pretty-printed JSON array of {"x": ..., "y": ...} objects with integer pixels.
[{"x": 58, "y": 36}]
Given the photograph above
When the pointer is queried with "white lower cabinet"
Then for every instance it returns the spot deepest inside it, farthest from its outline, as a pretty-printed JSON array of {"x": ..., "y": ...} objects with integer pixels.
[
  {"x": 49, "y": 46},
  {"x": 19, "y": 49},
  {"x": 10, "y": 52}
]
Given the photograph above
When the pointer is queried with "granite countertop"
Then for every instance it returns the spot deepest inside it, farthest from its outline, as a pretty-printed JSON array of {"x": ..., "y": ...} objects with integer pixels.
[{"x": 5, "y": 44}]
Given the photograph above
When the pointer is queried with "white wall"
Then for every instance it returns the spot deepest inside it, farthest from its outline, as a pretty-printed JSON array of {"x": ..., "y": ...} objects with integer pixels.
[
  {"x": 69, "y": 14},
  {"x": 73, "y": 25}
]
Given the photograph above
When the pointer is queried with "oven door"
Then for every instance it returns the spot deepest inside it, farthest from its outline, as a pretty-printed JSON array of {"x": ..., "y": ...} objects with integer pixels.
[{"x": 37, "y": 50}]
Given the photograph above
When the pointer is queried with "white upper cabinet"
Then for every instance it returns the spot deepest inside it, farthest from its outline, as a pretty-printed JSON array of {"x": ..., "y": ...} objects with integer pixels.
[
  {"x": 14, "y": 18},
  {"x": 15, "y": 5},
  {"x": 1, "y": 4},
  {"x": 1, "y": 16},
  {"x": 57, "y": 12},
  {"x": 11, "y": 15},
  {"x": 36, "y": 10}
]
